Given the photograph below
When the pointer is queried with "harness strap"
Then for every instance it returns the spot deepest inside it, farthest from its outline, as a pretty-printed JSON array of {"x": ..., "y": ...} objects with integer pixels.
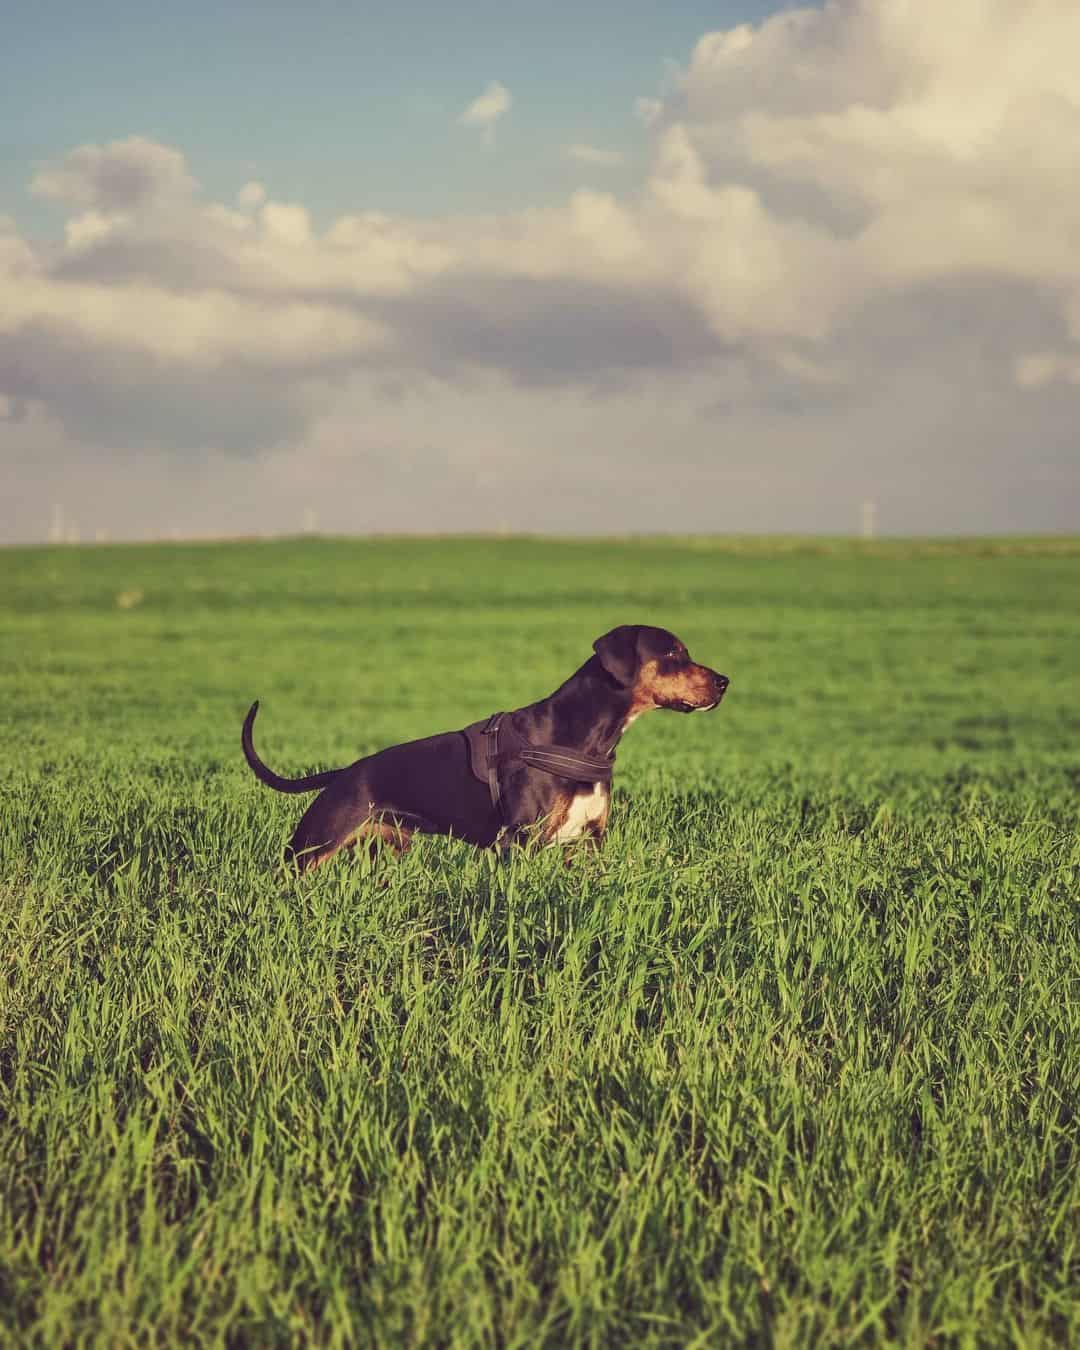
[
  {"x": 568, "y": 763},
  {"x": 496, "y": 745},
  {"x": 491, "y": 754}
]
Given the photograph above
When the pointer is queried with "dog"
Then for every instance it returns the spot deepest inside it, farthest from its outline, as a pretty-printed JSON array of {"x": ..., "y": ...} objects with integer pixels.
[{"x": 545, "y": 768}]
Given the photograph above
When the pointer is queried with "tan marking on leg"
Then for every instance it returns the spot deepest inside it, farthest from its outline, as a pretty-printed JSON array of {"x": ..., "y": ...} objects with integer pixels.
[
  {"x": 584, "y": 809},
  {"x": 394, "y": 836},
  {"x": 556, "y": 817},
  {"x": 374, "y": 831}
]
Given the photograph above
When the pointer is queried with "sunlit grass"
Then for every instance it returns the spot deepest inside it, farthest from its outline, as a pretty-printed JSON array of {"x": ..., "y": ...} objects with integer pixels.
[{"x": 793, "y": 1058}]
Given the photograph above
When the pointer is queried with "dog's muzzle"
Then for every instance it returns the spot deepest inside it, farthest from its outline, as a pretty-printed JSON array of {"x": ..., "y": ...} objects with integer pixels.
[{"x": 720, "y": 684}]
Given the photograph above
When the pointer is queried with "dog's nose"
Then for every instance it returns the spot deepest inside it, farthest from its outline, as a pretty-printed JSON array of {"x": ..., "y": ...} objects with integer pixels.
[{"x": 722, "y": 682}]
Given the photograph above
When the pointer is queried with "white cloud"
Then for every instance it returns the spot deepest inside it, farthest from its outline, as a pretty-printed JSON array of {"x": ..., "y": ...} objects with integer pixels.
[
  {"x": 115, "y": 177},
  {"x": 1037, "y": 369},
  {"x": 200, "y": 330},
  {"x": 648, "y": 110},
  {"x": 486, "y": 109},
  {"x": 591, "y": 154},
  {"x": 251, "y": 195},
  {"x": 288, "y": 223},
  {"x": 858, "y": 228}
]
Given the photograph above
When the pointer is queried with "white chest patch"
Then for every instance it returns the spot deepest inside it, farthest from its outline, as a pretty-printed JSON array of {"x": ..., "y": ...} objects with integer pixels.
[{"x": 585, "y": 808}]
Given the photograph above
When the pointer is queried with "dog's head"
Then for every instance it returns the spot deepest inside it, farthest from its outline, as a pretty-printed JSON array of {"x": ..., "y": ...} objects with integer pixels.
[{"x": 656, "y": 666}]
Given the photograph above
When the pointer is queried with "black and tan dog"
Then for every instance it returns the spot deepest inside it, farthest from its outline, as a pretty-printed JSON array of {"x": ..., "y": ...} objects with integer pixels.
[{"x": 545, "y": 767}]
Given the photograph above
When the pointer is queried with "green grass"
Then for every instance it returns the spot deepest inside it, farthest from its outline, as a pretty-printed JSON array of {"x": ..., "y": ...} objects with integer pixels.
[{"x": 793, "y": 1061}]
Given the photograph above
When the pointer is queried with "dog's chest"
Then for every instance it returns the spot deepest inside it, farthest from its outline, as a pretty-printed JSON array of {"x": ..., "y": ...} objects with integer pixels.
[{"x": 585, "y": 809}]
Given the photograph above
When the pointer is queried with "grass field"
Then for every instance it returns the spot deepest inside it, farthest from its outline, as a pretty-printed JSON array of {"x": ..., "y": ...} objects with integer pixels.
[{"x": 795, "y": 1061}]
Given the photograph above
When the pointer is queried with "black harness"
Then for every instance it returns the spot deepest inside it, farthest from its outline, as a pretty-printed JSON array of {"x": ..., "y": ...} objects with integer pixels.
[{"x": 496, "y": 745}]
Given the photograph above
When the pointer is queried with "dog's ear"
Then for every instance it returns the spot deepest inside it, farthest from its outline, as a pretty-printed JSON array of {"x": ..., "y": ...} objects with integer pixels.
[{"x": 618, "y": 653}]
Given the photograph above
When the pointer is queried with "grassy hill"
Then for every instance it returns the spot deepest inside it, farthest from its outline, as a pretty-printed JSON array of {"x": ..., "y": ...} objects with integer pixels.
[{"x": 794, "y": 1059}]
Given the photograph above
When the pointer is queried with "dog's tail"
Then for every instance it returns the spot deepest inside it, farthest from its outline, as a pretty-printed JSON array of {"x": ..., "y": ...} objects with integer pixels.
[{"x": 268, "y": 776}]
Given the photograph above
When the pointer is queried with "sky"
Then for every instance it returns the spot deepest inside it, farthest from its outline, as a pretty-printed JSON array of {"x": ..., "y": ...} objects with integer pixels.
[{"x": 615, "y": 268}]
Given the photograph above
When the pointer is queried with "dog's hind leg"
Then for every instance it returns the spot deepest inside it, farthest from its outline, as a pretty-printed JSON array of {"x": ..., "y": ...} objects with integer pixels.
[
  {"x": 340, "y": 819},
  {"x": 305, "y": 857}
]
